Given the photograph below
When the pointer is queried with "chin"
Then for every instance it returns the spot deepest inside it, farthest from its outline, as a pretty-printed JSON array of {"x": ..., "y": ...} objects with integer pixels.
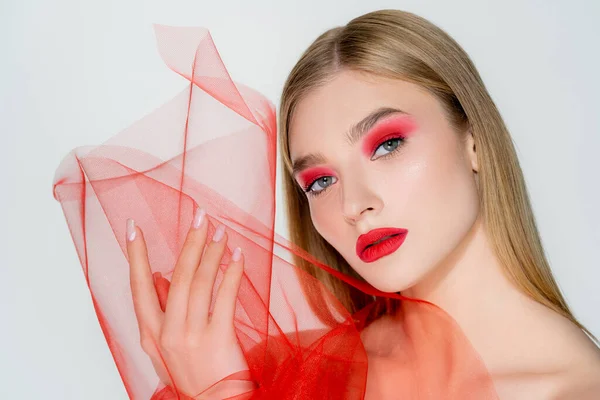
[
  {"x": 391, "y": 286},
  {"x": 389, "y": 282},
  {"x": 392, "y": 276}
]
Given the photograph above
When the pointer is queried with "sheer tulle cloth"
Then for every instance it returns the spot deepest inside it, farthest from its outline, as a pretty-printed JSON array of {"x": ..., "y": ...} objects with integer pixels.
[{"x": 214, "y": 145}]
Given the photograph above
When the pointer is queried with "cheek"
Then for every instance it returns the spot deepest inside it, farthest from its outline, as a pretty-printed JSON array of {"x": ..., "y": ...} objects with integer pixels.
[
  {"x": 324, "y": 221},
  {"x": 444, "y": 200},
  {"x": 329, "y": 222}
]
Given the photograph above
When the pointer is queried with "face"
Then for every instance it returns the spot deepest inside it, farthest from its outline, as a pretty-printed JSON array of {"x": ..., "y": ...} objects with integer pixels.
[{"x": 403, "y": 168}]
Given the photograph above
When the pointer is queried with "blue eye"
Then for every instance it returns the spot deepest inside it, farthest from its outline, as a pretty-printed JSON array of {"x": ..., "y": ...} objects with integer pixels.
[
  {"x": 322, "y": 182},
  {"x": 389, "y": 146}
]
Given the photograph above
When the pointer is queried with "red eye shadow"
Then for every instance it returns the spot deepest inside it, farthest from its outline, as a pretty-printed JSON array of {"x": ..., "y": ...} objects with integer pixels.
[
  {"x": 402, "y": 126},
  {"x": 308, "y": 176}
]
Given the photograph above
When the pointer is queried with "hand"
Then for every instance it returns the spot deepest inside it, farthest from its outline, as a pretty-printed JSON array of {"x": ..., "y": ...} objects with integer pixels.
[{"x": 197, "y": 349}]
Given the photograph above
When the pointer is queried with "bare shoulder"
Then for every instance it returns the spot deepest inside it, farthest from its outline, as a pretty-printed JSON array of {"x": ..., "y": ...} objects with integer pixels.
[
  {"x": 578, "y": 362},
  {"x": 582, "y": 380},
  {"x": 582, "y": 385},
  {"x": 552, "y": 359}
]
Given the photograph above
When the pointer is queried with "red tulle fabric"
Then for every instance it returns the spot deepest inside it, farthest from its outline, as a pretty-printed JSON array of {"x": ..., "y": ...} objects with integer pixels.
[{"x": 214, "y": 145}]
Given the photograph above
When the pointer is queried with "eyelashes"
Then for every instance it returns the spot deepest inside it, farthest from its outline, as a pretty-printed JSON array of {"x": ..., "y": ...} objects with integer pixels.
[
  {"x": 390, "y": 140},
  {"x": 393, "y": 143},
  {"x": 308, "y": 189}
]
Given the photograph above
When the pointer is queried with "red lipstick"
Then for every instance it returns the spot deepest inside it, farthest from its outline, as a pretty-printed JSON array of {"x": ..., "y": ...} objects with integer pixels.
[{"x": 379, "y": 243}]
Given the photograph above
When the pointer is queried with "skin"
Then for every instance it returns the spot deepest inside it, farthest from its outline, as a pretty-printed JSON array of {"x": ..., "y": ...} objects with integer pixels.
[
  {"x": 189, "y": 348},
  {"x": 428, "y": 185}
]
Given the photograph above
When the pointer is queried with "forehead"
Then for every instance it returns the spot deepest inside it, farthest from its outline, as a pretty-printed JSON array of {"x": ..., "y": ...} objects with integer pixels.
[{"x": 328, "y": 111}]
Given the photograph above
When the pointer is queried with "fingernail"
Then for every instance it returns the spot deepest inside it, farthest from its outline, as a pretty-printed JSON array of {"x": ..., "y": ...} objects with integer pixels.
[
  {"x": 130, "y": 230},
  {"x": 219, "y": 233},
  {"x": 198, "y": 217},
  {"x": 237, "y": 254}
]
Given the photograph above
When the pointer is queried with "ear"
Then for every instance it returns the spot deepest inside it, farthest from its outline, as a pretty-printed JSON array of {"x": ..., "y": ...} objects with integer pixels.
[{"x": 471, "y": 150}]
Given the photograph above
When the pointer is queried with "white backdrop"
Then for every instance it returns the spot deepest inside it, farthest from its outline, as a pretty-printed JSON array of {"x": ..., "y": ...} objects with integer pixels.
[{"x": 74, "y": 73}]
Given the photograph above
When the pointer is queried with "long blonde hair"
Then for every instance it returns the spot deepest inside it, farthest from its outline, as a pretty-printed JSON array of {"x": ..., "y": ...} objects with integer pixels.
[{"x": 401, "y": 45}]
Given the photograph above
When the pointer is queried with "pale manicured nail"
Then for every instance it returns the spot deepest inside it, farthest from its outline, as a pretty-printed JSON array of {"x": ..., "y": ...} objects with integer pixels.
[
  {"x": 237, "y": 254},
  {"x": 219, "y": 233},
  {"x": 130, "y": 230},
  {"x": 198, "y": 217}
]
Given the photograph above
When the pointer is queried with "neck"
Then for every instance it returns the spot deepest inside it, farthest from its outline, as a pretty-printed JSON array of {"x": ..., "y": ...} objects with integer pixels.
[
  {"x": 470, "y": 275},
  {"x": 473, "y": 289}
]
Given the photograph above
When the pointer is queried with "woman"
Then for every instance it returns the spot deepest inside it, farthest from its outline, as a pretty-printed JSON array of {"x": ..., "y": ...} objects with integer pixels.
[
  {"x": 400, "y": 173},
  {"x": 446, "y": 170}
]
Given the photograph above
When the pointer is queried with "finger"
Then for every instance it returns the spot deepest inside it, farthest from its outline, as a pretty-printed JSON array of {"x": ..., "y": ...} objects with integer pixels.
[
  {"x": 204, "y": 281},
  {"x": 145, "y": 301},
  {"x": 224, "y": 310},
  {"x": 186, "y": 266}
]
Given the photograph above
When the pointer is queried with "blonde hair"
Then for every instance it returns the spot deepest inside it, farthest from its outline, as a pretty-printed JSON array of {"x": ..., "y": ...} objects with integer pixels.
[{"x": 401, "y": 45}]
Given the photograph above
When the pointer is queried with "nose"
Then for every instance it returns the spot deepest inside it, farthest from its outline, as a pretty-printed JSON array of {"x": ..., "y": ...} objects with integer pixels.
[{"x": 359, "y": 199}]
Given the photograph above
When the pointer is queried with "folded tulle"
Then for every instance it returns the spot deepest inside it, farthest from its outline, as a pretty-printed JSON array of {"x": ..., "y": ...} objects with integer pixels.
[{"x": 214, "y": 145}]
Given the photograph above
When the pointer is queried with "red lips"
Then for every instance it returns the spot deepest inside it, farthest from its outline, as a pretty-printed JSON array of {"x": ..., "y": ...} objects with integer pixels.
[{"x": 378, "y": 243}]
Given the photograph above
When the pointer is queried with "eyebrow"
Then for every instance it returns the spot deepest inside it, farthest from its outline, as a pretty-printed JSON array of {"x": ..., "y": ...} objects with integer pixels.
[{"x": 352, "y": 136}]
